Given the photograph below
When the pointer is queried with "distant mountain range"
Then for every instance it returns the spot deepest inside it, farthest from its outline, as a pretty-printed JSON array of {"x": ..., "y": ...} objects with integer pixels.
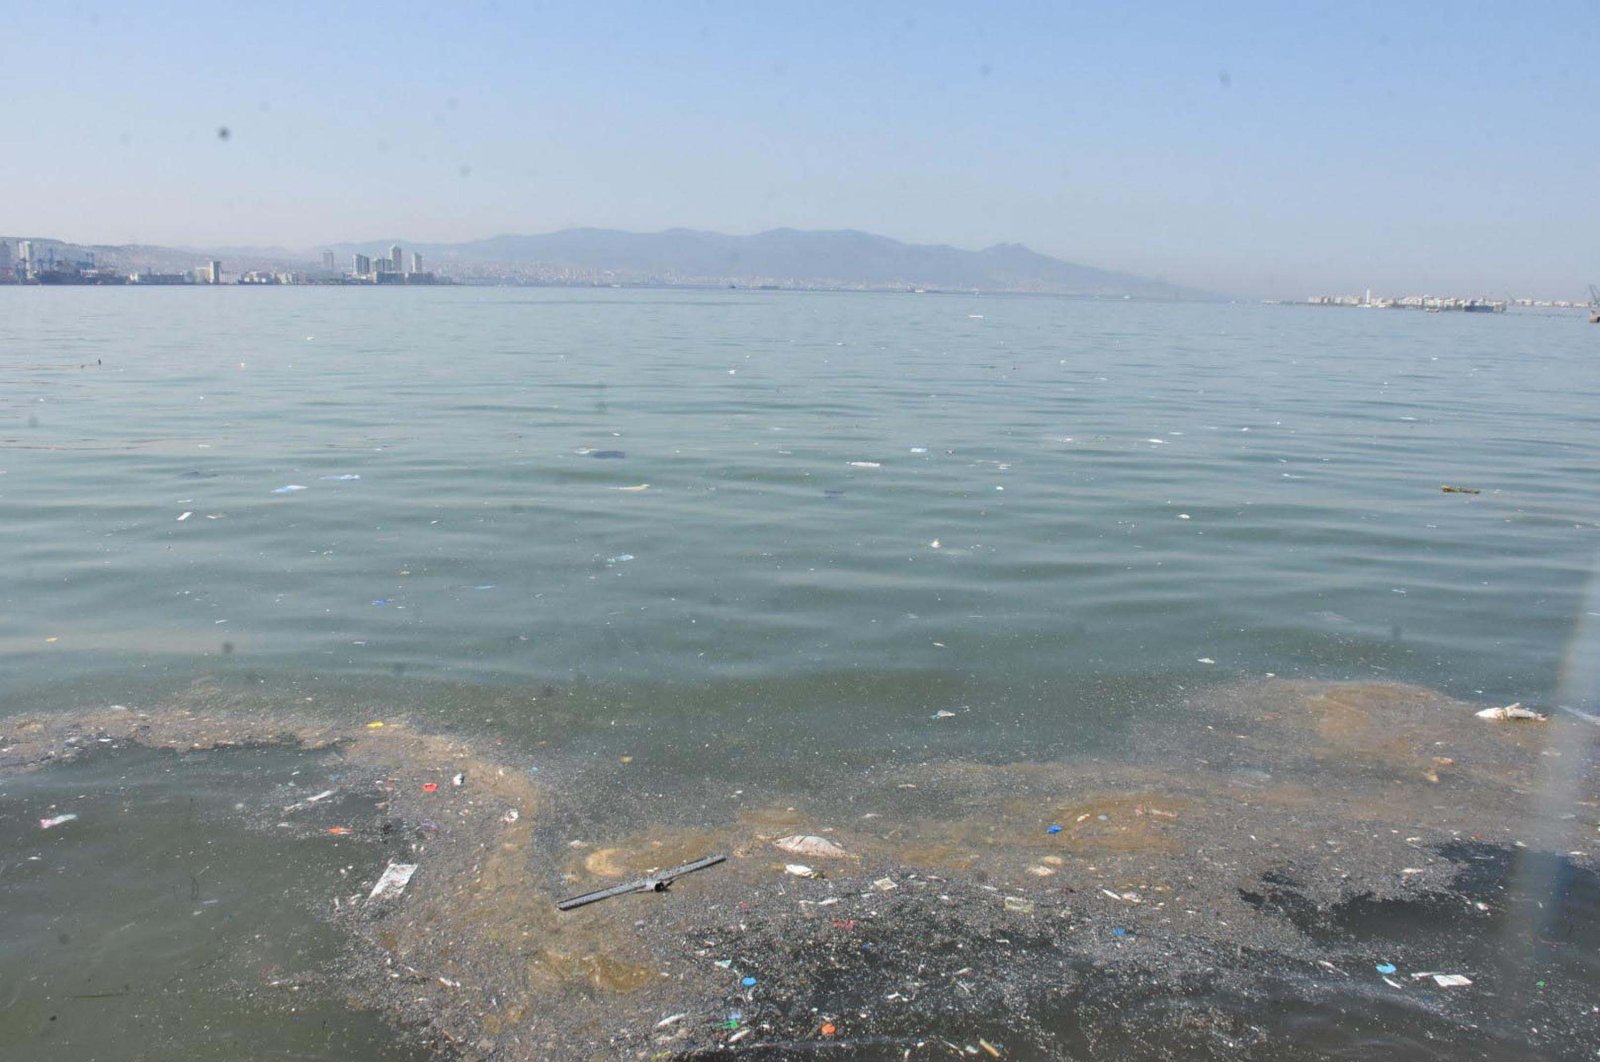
[{"x": 783, "y": 258}]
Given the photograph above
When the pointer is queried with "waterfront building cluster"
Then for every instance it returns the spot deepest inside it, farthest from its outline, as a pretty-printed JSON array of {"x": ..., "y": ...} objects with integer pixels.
[
  {"x": 365, "y": 269},
  {"x": 1430, "y": 303}
]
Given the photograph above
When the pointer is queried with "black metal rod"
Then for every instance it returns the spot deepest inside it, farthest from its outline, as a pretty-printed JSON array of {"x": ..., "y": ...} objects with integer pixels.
[{"x": 654, "y": 883}]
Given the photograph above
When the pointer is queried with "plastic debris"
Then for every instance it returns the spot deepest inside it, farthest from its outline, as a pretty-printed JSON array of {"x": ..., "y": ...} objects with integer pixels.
[
  {"x": 1018, "y": 904},
  {"x": 748, "y": 982},
  {"x": 994, "y": 1052},
  {"x": 811, "y": 845},
  {"x": 56, "y": 820},
  {"x": 885, "y": 885},
  {"x": 1205, "y": 660},
  {"x": 1055, "y": 827},
  {"x": 866, "y": 464},
  {"x": 459, "y": 780},
  {"x": 919, "y": 449},
  {"x": 430, "y": 787},
  {"x": 828, "y": 1028},
  {"x": 395, "y": 878},
  {"x": 620, "y": 558},
  {"x": 339, "y": 831},
  {"x": 1385, "y": 967},
  {"x": 289, "y": 488},
  {"x": 607, "y": 455},
  {"x": 1512, "y": 711},
  {"x": 375, "y": 725},
  {"x": 944, "y": 713},
  {"x": 510, "y": 816},
  {"x": 1448, "y": 489},
  {"x": 671, "y": 1019},
  {"x": 347, "y": 477},
  {"x": 635, "y": 489},
  {"x": 184, "y": 517},
  {"x": 1450, "y": 980},
  {"x": 1119, "y": 931},
  {"x": 800, "y": 870}
]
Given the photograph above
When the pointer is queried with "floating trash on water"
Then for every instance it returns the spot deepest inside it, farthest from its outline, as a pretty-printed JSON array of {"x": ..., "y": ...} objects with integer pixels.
[
  {"x": 1158, "y": 442},
  {"x": 1183, "y": 516},
  {"x": 934, "y": 544},
  {"x": 607, "y": 455},
  {"x": 919, "y": 449},
  {"x": 485, "y": 586},
  {"x": 1448, "y": 489},
  {"x": 289, "y": 488},
  {"x": 184, "y": 517},
  {"x": 396, "y": 876},
  {"x": 380, "y": 602},
  {"x": 634, "y": 489},
  {"x": 1385, "y": 968},
  {"x": 57, "y": 820},
  {"x": 866, "y": 464},
  {"x": 347, "y": 477},
  {"x": 621, "y": 558},
  {"x": 1205, "y": 660},
  {"x": 1512, "y": 711},
  {"x": 944, "y": 713},
  {"x": 807, "y": 844}
]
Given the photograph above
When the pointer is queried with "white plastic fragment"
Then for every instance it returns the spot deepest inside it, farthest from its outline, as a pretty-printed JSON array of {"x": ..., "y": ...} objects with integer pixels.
[
  {"x": 671, "y": 1019},
  {"x": 184, "y": 517},
  {"x": 510, "y": 816},
  {"x": 866, "y": 464},
  {"x": 1512, "y": 711},
  {"x": 885, "y": 884},
  {"x": 56, "y": 820},
  {"x": 811, "y": 845},
  {"x": 800, "y": 870},
  {"x": 1451, "y": 980},
  {"x": 289, "y": 488},
  {"x": 396, "y": 876}
]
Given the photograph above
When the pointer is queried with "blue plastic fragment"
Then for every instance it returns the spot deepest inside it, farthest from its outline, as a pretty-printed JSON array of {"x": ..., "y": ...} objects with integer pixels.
[
  {"x": 1054, "y": 828},
  {"x": 748, "y": 982},
  {"x": 1119, "y": 932},
  {"x": 380, "y": 602},
  {"x": 1385, "y": 967}
]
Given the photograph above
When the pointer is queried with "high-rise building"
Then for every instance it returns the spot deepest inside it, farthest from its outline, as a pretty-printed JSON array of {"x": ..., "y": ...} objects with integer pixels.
[
  {"x": 210, "y": 273},
  {"x": 25, "y": 257},
  {"x": 327, "y": 260},
  {"x": 394, "y": 259},
  {"x": 416, "y": 262},
  {"x": 362, "y": 264},
  {"x": 5, "y": 255}
]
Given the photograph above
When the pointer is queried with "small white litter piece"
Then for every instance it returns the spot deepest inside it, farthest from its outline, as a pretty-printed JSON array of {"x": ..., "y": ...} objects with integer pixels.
[
  {"x": 944, "y": 713},
  {"x": 56, "y": 820},
  {"x": 184, "y": 517},
  {"x": 510, "y": 816},
  {"x": 807, "y": 844},
  {"x": 800, "y": 870},
  {"x": 289, "y": 488},
  {"x": 396, "y": 876},
  {"x": 866, "y": 464},
  {"x": 885, "y": 885},
  {"x": 1443, "y": 980},
  {"x": 671, "y": 1019},
  {"x": 1510, "y": 712}
]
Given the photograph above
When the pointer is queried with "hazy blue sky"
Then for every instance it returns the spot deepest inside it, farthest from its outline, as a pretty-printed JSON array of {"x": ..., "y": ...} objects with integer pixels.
[{"x": 1276, "y": 148}]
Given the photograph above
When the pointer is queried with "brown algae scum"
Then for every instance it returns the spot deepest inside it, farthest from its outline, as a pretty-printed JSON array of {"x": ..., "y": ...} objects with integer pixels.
[{"x": 1039, "y": 880}]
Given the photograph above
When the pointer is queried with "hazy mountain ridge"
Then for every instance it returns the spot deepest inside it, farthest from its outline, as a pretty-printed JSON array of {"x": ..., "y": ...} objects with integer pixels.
[
  {"x": 786, "y": 257},
  {"x": 839, "y": 259}
]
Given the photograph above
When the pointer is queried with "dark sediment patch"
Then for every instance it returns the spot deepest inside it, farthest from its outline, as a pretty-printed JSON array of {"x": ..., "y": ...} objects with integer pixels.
[{"x": 1228, "y": 893}]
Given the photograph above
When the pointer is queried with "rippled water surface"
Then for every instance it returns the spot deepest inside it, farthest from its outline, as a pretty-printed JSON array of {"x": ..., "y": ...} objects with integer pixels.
[{"x": 760, "y": 533}]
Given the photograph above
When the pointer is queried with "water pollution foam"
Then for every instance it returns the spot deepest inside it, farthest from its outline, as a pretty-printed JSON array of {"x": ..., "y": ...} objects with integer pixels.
[{"x": 1228, "y": 888}]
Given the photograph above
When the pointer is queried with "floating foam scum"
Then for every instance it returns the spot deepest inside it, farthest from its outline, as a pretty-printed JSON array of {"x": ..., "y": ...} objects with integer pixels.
[{"x": 1271, "y": 797}]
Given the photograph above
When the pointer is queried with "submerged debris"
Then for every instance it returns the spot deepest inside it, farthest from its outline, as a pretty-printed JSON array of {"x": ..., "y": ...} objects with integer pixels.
[
  {"x": 1512, "y": 711},
  {"x": 396, "y": 876},
  {"x": 811, "y": 845}
]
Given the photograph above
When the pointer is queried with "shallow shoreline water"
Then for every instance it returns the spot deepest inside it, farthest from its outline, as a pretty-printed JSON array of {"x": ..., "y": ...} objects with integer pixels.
[{"x": 1184, "y": 903}]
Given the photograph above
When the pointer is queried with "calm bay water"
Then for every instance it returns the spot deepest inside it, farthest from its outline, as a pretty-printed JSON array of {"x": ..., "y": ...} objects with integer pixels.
[
  {"x": 759, "y": 534},
  {"x": 1117, "y": 492}
]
